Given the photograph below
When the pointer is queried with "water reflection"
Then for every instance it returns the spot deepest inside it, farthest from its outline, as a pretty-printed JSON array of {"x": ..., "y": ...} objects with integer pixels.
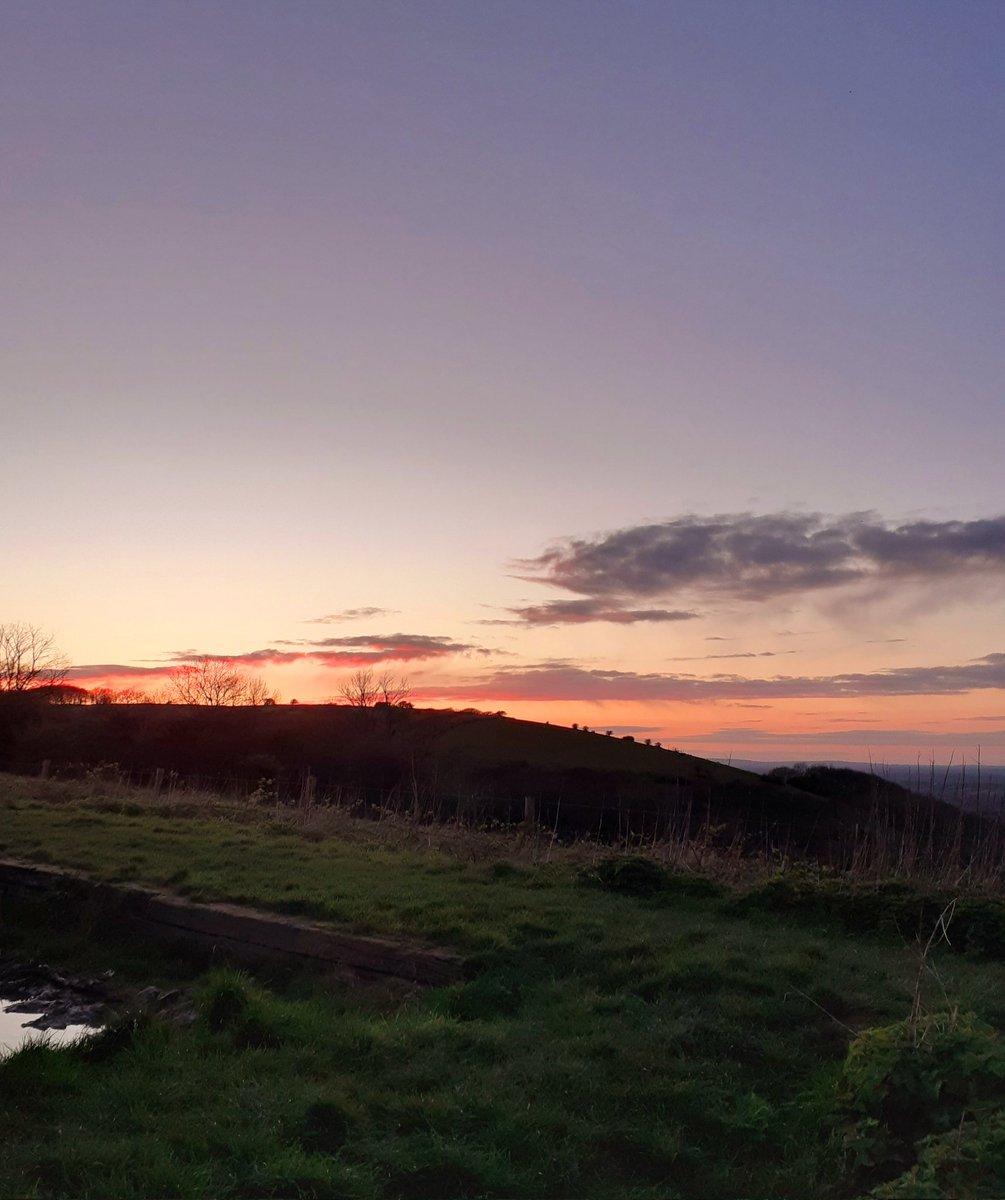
[{"x": 15, "y": 1030}]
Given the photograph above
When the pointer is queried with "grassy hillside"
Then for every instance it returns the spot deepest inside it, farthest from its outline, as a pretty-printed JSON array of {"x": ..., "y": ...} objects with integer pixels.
[
  {"x": 191, "y": 738},
  {"x": 623, "y": 1032},
  {"x": 494, "y": 739},
  {"x": 438, "y": 758},
  {"x": 475, "y": 768}
]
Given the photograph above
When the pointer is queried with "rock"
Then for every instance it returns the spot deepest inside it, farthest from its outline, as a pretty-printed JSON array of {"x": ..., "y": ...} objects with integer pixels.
[
  {"x": 61, "y": 1018},
  {"x": 60, "y": 999},
  {"x": 27, "y": 1006}
]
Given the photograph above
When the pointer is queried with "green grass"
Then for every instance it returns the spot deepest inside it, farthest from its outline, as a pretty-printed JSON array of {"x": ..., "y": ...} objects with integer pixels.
[{"x": 605, "y": 1044}]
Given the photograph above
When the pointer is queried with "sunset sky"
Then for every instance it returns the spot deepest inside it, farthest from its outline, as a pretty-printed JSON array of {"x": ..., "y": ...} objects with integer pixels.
[{"x": 634, "y": 363}]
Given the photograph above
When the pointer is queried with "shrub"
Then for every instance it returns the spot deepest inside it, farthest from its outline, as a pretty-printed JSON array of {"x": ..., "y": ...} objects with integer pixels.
[
  {"x": 630, "y": 875},
  {"x": 967, "y": 1163},
  {"x": 893, "y": 907},
  {"x": 913, "y": 1096},
  {"x": 980, "y": 924}
]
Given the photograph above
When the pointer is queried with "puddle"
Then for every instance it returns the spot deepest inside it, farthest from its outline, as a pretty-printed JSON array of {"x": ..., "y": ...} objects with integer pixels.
[
  {"x": 38, "y": 1002},
  {"x": 15, "y": 1030}
]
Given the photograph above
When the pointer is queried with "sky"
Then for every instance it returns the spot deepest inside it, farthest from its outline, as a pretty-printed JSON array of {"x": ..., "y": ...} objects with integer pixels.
[{"x": 636, "y": 364}]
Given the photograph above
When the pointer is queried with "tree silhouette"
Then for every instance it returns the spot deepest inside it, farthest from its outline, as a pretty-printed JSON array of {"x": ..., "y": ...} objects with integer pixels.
[
  {"x": 28, "y": 659},
  {"x": 392, "y": 691},
  {"x": 217, "y": 682},
  {"x": 360, "y": 689}
]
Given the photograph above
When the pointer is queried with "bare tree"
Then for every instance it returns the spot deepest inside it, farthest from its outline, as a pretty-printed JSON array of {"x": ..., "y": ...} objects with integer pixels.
[
  {"x": 107, "y": 695},
  {"x": 28, "y": 659},
  {"x": 257, "y": 691},
  {"x": 392, "y": 691},
  {"x": 217, "y": 682},
  {"x": 359, "y": 689}
]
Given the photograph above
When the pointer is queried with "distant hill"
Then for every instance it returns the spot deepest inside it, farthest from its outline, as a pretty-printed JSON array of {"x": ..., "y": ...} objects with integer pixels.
[{"x": 955, "y": 783}]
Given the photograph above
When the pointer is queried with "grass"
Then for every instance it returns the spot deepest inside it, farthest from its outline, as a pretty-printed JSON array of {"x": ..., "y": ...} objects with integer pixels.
[{"x": 626, "y": 1039}]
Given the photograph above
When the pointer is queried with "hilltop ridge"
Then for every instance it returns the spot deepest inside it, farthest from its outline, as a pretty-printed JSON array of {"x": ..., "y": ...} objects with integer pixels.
[{"x": 442, "y": 764}]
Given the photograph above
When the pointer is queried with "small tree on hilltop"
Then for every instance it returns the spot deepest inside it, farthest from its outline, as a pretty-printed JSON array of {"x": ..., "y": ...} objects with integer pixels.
[
  {"x": 216, "y": 682},
  {"x": 257, "y": 691},
  {"x": 360, "y": 690},
  {"x": 28, "y": 659},
  {"x": 392, "y": 691}
]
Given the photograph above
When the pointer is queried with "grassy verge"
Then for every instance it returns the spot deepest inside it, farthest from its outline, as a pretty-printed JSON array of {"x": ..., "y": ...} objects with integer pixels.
[{"x": 614, "y": 1040}]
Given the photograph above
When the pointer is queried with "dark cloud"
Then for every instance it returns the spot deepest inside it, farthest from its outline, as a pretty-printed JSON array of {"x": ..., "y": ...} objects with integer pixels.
[
  {"x": 579, "y": 612},
  {"x": 569, "y": 682},
  {"x": 412, "y": 645},
  {"x": 256, "y": 658},
  {"x": 747, "y": 557},
  {"x": 365, "y": 650},
  {"x": 351, "y": 614},
  {"x": 362, "y": 650},
  {"x": 118, "y": 670}
]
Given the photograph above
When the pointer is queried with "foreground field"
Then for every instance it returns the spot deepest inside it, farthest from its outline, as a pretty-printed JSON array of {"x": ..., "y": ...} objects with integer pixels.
[{"x": 622, "y": 1033}]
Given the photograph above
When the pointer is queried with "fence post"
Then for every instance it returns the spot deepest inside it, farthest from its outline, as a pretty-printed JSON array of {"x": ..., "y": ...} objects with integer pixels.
[
  {"x": 44, "y": 773},
  {"x": 158, "y": 780},
  {"x": 307, "y": 785},
  {"x": 529, "y": 810}
]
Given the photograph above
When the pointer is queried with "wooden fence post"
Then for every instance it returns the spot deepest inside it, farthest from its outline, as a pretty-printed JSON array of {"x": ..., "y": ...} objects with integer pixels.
[{"x": 307, "y": 786}]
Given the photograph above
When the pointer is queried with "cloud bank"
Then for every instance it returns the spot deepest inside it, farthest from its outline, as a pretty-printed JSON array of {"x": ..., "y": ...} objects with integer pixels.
[
  {"x": 566, "y": 681},
  {"x": 364, "y": 650},
  {"x": 114, "y": 671},
  {"x": 742, "y": 556}
]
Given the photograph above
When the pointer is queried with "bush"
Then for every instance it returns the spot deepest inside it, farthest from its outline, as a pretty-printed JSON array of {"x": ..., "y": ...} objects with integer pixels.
[
  {"x": 967, "y": 1163},
  {"x": 980, "y": 924},
  {"x": 893, "y": 907},
  {"x": 630, "y": 875},
  {"x": 921, "y": 1100}
]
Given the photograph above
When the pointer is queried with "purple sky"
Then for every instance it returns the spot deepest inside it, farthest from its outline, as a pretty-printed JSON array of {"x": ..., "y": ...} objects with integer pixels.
[{"x": 317, "y": 307}]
